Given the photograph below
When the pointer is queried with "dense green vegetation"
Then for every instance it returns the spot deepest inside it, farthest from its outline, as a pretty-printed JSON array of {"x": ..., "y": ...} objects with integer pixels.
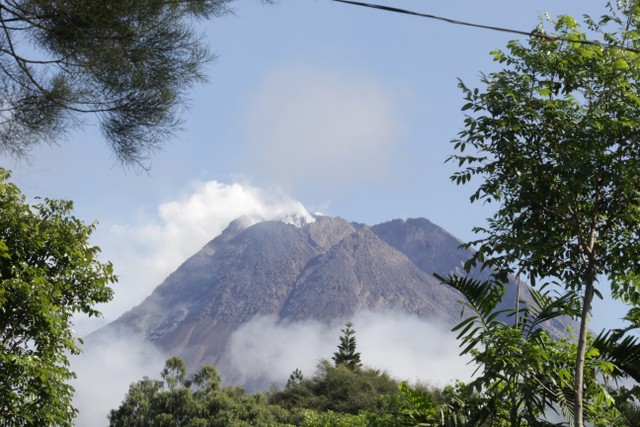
[
  {"x": 336, "y": 395},
  {"x": 198, "y": 400},
  {"x": 339, "y": 389},
  {"x": 553, "y": 138},
  {"x": 525, "y": 374},
  {"x": 525, "y": 377},
  {"x": 48, "y": 272}
]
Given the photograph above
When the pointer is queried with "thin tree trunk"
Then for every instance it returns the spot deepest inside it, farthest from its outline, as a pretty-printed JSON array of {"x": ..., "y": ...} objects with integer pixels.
[
  {"x": 578, "y": 412},
  {"x": 514, "y": 403}
]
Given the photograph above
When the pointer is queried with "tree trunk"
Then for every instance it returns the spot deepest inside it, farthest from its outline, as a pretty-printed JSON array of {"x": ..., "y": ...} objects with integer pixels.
[{"x": 578, "y": 411}]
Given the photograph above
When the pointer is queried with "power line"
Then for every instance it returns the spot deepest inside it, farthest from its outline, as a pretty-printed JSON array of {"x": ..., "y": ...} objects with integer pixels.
[{"x": 486, "y": 27}]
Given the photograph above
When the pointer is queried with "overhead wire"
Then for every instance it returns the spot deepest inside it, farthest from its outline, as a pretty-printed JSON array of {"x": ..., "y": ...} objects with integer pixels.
[{"x": 488, "y": 27}]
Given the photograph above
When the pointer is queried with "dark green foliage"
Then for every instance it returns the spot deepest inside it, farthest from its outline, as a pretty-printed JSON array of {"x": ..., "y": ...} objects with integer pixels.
[
  {"x": 48, "y": 273},
  {"x": 295, "y": 378},
  {"x": 621, "y": 347},
  {"x": 333, "y": 397},
  {"x": 464, "y": 407},
  {"x": 334, "y": 419},
  {"x": 347, "y": 354},
  {"x": 338, "y": 396},
  {"x": 127, "y": 62},
  {"x": 628, "y": 403},
  {"x": 338, "y": 389},
  {"x": 180, "y": 400},
  {"x": 510, "y": 356},
  {"x": 419, "y": 405}
]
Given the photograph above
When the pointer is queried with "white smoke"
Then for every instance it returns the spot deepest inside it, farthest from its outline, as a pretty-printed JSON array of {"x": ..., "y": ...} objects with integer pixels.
[{"x": 146, "y": 250}]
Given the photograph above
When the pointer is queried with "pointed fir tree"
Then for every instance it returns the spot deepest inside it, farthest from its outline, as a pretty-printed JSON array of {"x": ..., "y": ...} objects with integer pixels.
[
  {"x": 347, "y": 354},
  {"x": 295, "y": 378}
]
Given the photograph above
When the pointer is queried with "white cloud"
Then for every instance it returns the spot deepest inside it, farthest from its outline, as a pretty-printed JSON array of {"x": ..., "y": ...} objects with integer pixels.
[
  {"x": 322, "y": 129},
  {"x": 405, "y": 346},
  {"x": 265, "y": 348},
  {"x": 109, "y": 364},
  {"x": 411, "y": 348}
]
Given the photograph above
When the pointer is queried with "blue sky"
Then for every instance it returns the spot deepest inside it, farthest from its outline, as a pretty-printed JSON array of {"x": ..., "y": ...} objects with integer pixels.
[{"x": 345, "y": 110}]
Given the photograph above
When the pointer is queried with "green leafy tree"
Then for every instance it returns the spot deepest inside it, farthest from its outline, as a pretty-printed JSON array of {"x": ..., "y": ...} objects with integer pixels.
[
  {"x": 621, "y": 349},
  {"x": 629, "y": 408},
  {"x": 195, "y": 401},
  {"x": 419, "y": 407},
  {"x": 517, "y": 362},
  {"x": 127, "y": 62},
  {"x": 454, "y": 406},
  {"x": 523, "y": 372},
  {"x": 48, "y": 273},
  {"x": 464, "y": 407},
  {"x": 554, "y": 139},
  {"x": 347, "y": 354}
]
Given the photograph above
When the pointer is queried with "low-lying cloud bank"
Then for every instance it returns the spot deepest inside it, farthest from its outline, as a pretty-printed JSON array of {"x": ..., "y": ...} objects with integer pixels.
[{"x": 403, "y": 345}]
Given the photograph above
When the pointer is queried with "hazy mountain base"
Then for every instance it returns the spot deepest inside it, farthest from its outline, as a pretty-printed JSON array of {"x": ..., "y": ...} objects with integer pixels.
[
  {"x": 271, "y": 275},
  {"x": 265, "y": 352}
]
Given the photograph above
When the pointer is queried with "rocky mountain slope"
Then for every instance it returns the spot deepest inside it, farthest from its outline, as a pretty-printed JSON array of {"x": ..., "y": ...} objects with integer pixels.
[{"x": 327, "y": 270}]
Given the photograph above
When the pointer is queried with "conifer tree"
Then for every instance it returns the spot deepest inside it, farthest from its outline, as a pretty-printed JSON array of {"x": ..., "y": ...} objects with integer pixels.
[
  {"x": 296, "y": 377},
  {"x": 347, "y": 354},
  {"x": 128, "y": 63}
]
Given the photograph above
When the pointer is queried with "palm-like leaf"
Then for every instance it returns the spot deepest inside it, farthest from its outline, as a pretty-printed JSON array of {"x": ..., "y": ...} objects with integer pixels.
[
  {"x": 546, "y": 307},
  {"x": 482, "y": 298},
  {"x": 509, "y": 358},
  {"x": 622, "y": 350}
]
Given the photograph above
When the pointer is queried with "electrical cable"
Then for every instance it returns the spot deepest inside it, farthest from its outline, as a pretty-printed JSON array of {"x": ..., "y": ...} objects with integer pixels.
[{"x": 487, "y": 27}]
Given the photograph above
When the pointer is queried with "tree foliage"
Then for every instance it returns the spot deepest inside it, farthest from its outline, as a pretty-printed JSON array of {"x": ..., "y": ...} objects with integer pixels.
[
  {"x": 338, "y": 389},
  {"x": 198, "y": 400},
  {"x": 48, "y": 272},
  {"x": 523, "y": 373},
  {"x": 127, "y": 62},
  {"x": 554, "y": 139},
  {"x": 335, "y": 396}
]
